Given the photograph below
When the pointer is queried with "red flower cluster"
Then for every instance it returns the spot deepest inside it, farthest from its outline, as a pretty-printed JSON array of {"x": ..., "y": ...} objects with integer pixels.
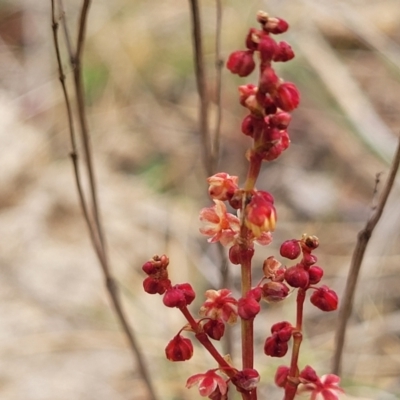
[{"x": 271, "y": 101}]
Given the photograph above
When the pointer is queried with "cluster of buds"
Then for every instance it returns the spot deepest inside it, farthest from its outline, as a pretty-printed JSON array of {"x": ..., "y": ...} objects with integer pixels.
[
  {"x": 239, "y": 218},
  {"x": 270, "y": 102}
]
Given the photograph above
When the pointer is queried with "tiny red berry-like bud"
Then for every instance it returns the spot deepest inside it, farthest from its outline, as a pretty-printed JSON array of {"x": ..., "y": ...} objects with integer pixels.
[
  {"x": 325, "y": 299},
  {"x": 315, "y": 274},
  {"x": 283, "y": 330},
  {"x": 290, "y": 249},
  {"x": 284, "y": 52},
  {"x": 237, "y": 255},
  {"x": 281, "y": 376},
  {"x": 274, "y": 347},
  {"x": 179, "y": 349},
  {"x": 248, "y": 307},
  {"x": 215, "y": 328},
  {"x": 276, "y": 25},
  {"x": 252, "y": 39},
  {"x": 247, "y": 379},
  {"x": 281, "y": 120},
  {"x": 268, "y": 81},
  {"x": 272, "y": 292},
  {"x": 297, "y": 277},
  {"x": 267, "y": 48},
  {"x": 309, "y": 259},
  {"x": 153, "y": 286},
  {"x": 248, "y": 126},
  {"x": 179, "y": 296},
  {"x": 287, "y": 97},
  {"x": 241, "y": 63}
]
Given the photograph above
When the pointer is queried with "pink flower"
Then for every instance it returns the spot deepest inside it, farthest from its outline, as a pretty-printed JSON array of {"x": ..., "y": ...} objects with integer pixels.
[
  {"x": 324, "y": 388},
  {"x": 219, "y": 224},
  {"x": 220, "y": 305},
  {"x": 222, "y": 186},
  {"x": 208, "y": 383}
]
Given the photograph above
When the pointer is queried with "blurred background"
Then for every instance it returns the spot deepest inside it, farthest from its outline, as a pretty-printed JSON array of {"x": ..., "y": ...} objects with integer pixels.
[{"x": 58, "y": 338}]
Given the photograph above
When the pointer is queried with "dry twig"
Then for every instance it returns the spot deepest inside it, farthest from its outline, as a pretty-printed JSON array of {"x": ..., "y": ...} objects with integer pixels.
[
  {"x": 362, "y": 241},
  {"x": 91, "y": 214}
]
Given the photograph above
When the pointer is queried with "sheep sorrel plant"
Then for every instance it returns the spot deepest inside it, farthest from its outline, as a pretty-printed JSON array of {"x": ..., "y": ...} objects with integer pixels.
[{"x": 269, "y": 105}]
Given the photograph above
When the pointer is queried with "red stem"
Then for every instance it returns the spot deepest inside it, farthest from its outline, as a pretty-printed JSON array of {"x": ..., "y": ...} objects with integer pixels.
[{"x": 292, "y": 383}]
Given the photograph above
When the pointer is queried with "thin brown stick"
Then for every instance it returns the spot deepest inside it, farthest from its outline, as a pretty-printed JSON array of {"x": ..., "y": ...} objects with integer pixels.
[
  {"x": 219, "y": 63},
  {"x": 201, "y": 87},
  {"x": 93, "y": 224},
  {"x": 362, "y": 241}
]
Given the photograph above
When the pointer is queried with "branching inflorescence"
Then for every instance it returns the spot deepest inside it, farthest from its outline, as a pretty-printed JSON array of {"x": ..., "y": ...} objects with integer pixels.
[{"x": 269, "y": 105}]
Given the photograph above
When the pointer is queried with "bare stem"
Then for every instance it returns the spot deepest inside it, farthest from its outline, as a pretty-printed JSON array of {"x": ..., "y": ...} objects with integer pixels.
[
  {"x": 208, "y": 158},
  {"x": 91, "y": 215},
  {"x": 362, "y": 241}
]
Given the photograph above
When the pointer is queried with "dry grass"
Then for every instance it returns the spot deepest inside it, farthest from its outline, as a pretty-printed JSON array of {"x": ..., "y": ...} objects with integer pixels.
[{"x": 59, "y": 339}]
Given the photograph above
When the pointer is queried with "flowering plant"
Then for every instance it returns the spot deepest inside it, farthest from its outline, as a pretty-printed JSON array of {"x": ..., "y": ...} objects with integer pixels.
[{"x": 269, "y": 105}]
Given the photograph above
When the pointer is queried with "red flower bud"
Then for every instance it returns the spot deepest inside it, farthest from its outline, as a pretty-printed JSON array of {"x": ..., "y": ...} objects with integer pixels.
[
  {"x": 267, "y": 48},
  {"x": 309, "y": 259},
  {"x": 251, "y": 36},
  {"x": 283, "y": 52},
  {"x": 248, "y": 307},
  {"x": 241, "y": 63},
  {"x": 325, "y": 299},
  {"x": 215, "y": 328},
  {"x": 276, "y": 25},
  {"x": 248, "y": 126},
  {"x": 283, "y": 330},
  {"x": 179, "y": 296},
  {"x": 268, "y": 81},
  {"x": 315, "y": 274},
  {"x": 297, "y": 277},
  {"x": 287, "y": 97},
  {"x": 274, "y": 347},
  {"x": 237, "y": 255},
  {"x": 153, "y": 286},
  {"x": 281, "y": 376},
  {"x": 272, "y": 292},
  {"x": 179, "y": 349},
  {"x": 281, "y": 120},
  {"x": 290, "y": 249}
]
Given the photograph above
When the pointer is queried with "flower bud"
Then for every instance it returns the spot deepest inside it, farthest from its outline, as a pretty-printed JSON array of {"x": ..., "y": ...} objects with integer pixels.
[
  {"x": 276, "y": 25},
  {"x": 281, "y": 376},
  {"x": 237, "y": 255},
  {"x": 248, "y": 126},
  {"x": 215, "y": 328},
  {"x": 325, "y": 299},
  {"x": 281, "y": 120},
  {"x": 267, "y": 48},
  {"x": 248, "y": 307},
  {"x": 153, "y": 286},
  {"x": 241, "y": 63},
  {"x": 315, "y": 274},
  {"x": 311, "y": 242},
  {"x": 272, "y": 292},
  {"x": 274, "y": 347},
  {"x": 297, "y": 277},
  {"x": 283, "y": 330},
  {"x": 309, "y": 259},
  {"x": 252, "y": 39},
  {"x": 290, "y": 249},
  {"x": 180, "y": 295},
  {"x": 268, "y": 80},
  {"x": 179, "y": 349},
  {"x": 283, "y": 52},
  {"x": 287, "y": 97}
]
